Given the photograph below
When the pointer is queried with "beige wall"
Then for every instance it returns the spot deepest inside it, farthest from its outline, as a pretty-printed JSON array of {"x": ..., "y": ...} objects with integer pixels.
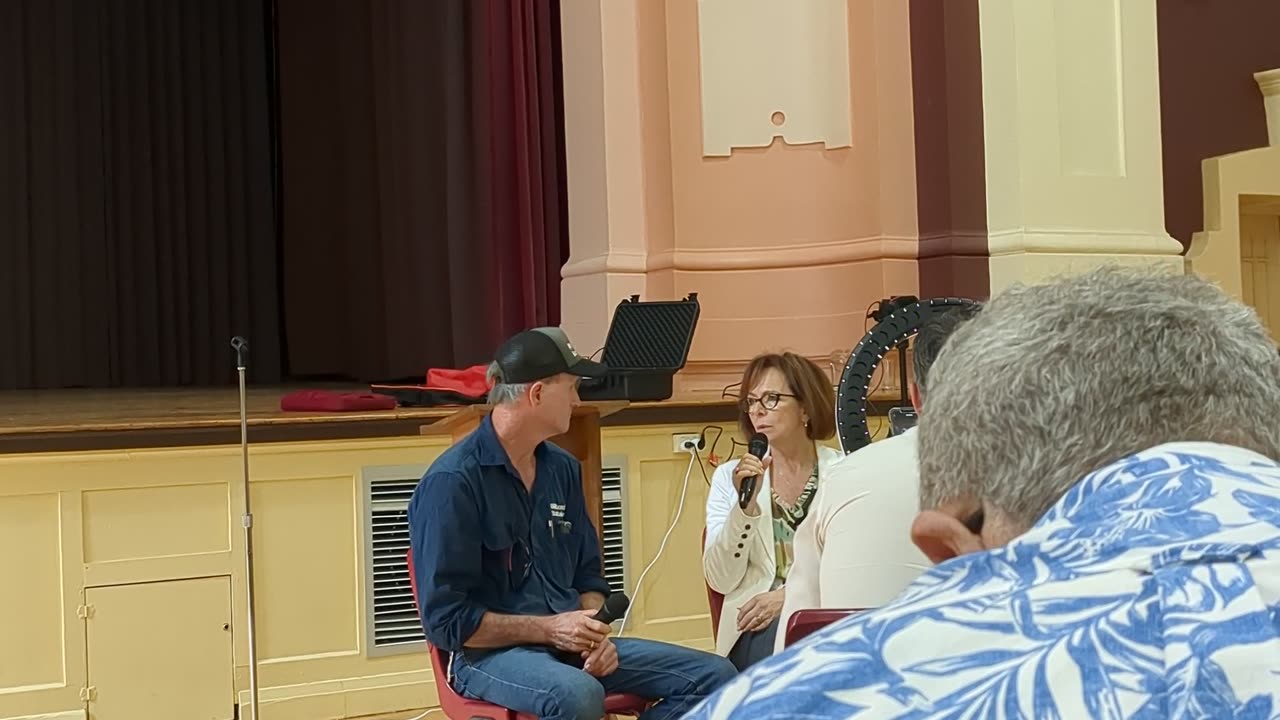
[
  {"x": 153, "y": 539},
  {"x": 786, "y": 245}
]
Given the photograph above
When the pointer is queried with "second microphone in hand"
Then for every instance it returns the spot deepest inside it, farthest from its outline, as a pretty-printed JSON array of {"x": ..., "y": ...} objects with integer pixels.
[
  {"x": 615, "y": 606},
  {"x": 758, "y": 446}
]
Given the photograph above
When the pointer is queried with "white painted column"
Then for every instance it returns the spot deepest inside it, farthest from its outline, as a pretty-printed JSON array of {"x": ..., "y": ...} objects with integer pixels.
[{"x": 1071, "y": 103}]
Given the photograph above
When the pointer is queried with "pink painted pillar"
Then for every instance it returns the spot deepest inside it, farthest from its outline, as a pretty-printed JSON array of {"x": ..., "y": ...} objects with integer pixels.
[{"x": 786, "y": 245}]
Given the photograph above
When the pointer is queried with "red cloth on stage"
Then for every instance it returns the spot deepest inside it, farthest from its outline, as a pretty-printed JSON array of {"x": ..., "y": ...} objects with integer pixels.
[
  {"x": 443, "y": 386},
  {"x": 470, "y": 382},
  {"x": 333, "y": 401}
]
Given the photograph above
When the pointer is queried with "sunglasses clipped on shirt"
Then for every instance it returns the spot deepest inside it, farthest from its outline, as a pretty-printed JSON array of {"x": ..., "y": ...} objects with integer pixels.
[{"x": 519, "y": 557}]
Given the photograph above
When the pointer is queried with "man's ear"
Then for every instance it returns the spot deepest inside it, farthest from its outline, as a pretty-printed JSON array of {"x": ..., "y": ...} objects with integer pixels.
[
  {"x": 535, "y": 393},
  {"x": 916, "y": 401},
  {"x": 941, "y": 536}
]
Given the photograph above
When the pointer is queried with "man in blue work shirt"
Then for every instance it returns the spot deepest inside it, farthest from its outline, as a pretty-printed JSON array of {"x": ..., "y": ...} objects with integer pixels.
[{"x": 508, "y": 563}]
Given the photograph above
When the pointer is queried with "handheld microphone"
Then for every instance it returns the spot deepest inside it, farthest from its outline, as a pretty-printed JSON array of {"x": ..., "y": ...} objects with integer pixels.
[
  {"x": 758, "y": 446},
  {"x": 615, "y": 606}
]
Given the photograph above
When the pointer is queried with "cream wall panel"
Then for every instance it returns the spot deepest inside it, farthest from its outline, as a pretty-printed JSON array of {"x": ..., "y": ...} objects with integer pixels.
[
  {"x": 135, "y": 523},
  {"x": 349, "y": 697},
  {"x": 1090, "y": 143},
  {"x": 174, "y": 567},
  {"x": 77, "y": 714},
  {"x": 761, "y": 57},
  {"x": 332, "y": 673},
  {"x": 680, "y": 567},
  {"x": 161, "y": 650},
  {"x": 305, "y": 550},
  {"x": 32, "y": 596},
  {"x": 672, "y": 604}
]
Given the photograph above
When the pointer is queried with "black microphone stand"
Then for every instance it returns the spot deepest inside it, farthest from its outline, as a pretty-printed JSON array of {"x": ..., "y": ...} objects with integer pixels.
[{"x": 241, "y": 347}]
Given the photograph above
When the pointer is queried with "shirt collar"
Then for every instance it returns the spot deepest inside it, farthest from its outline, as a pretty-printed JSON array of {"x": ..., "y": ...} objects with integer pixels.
[
  {"x": 490, "y": 448},
  {"x": 1171, "y": 494},
  {"x": 1107, "y": 489}
]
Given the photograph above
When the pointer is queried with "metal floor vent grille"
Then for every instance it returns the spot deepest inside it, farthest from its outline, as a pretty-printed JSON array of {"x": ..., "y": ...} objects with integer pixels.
[
  {"x": 613, "y": 518},
  {"x": 395, "y": 616}
]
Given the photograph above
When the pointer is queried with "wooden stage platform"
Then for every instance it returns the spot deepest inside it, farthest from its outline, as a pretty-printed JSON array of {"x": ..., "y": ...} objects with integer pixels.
[{"x": 69, "y": 420}]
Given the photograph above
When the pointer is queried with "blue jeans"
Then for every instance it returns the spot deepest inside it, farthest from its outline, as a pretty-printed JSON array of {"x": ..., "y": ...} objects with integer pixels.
[{"x": 539, "y": 681}]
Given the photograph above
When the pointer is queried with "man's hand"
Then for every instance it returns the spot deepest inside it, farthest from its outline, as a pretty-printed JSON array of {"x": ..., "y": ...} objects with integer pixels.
[
  {"x": 603, "y": 660},
  {"x": 759, "y": 611},
  {"x": 576, "y": 631}
]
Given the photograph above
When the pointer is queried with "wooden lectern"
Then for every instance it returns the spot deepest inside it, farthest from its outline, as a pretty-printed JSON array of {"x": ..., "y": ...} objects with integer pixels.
[{"x": 583, "y": 440}]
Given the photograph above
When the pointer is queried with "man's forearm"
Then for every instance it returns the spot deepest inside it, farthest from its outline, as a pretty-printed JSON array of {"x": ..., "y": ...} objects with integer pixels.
[
  {"x": 500, "y": 631},
  {"x": 591, "y": 600}
]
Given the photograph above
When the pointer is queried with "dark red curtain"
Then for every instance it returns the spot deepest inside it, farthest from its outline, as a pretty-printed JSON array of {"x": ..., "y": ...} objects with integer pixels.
[
  {"x": 136, "y": 220},
  {"x": 422, "y": 180}
]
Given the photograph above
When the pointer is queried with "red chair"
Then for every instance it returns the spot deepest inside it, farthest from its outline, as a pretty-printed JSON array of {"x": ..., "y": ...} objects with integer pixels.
[
  {"x": 457, "y": 707},
  {"x": 806, "y": 622},
  {"x": 715, "y": 600}
]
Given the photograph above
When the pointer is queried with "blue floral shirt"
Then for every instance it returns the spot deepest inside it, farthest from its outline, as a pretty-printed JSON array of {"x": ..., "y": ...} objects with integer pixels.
[{"x": 1150, "y": 590}]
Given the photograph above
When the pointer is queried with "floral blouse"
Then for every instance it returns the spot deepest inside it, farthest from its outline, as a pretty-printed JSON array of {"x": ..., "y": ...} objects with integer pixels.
[{"x": 786, "y": 518}]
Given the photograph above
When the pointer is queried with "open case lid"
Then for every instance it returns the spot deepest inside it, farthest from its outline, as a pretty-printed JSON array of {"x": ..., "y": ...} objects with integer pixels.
[{"x": 651, "y": 336}]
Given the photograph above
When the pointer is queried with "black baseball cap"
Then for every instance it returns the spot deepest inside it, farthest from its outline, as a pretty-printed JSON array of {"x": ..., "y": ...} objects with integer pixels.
[{"x": 541, "y": 353}]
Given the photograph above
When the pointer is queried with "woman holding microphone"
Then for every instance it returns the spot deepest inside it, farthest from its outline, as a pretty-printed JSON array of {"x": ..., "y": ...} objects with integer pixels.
[{"x": 748, "y": 551}]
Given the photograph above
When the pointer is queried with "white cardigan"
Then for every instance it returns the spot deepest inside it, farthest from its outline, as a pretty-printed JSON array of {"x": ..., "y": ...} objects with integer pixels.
[{"x": 738, "y": 557}]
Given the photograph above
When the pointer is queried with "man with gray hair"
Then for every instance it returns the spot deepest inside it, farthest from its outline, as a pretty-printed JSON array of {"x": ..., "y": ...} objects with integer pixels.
[{"x": 1099, "y": 485}]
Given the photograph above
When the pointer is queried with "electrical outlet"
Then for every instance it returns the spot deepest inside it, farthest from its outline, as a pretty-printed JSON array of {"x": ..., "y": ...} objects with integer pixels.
[{"x": 684, "y": 442}]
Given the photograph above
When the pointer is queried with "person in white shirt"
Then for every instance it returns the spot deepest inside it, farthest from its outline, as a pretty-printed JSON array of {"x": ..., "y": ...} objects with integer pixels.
[
  {"x": 854, "y": 548},
  {"x": 748, "y": 551}
]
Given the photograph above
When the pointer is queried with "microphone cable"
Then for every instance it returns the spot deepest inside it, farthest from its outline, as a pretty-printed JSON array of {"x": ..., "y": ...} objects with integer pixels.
[{"x": 684, "y": 493}]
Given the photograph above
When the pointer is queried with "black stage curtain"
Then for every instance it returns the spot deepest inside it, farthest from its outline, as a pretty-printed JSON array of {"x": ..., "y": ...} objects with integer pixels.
[
  {"x": 136, "y": 223},
  {"x": 419, "y": 176}
]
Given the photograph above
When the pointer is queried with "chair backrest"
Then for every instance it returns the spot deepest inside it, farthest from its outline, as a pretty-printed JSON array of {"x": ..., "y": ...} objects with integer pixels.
[
  {"x": 457, "y": 706},
  {"x": 438, "y": 660},
  {"x": 715, "y": 601},
  {"x": 453, "y": 704},
  {"x": 808, "y": 621}
]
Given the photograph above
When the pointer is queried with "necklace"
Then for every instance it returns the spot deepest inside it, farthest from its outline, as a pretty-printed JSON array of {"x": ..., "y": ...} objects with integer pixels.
[{"x": 801, "y": 501}]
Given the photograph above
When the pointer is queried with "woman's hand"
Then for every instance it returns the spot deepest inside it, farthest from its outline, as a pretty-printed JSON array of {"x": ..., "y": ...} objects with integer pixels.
[
  {"x": 750, "y": 466},
  {"x": 759, "y": 611}
]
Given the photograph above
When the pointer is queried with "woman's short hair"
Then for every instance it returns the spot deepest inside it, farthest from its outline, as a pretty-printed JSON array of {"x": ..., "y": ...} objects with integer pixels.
[{"x": 808, "y": 383}]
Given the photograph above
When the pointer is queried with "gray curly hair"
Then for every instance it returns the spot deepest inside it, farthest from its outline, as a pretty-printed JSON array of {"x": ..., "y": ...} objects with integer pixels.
[{"x": 1051, "y": 382}]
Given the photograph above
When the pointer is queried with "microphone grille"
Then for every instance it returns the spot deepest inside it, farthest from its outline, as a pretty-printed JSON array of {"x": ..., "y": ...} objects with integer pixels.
[{"x": 617, "y": 604}]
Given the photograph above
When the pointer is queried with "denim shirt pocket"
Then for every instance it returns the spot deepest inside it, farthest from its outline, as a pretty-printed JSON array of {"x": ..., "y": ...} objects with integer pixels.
[
  {"x": 556, "y": 539},
  {"x": 507, "y": 557}
]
